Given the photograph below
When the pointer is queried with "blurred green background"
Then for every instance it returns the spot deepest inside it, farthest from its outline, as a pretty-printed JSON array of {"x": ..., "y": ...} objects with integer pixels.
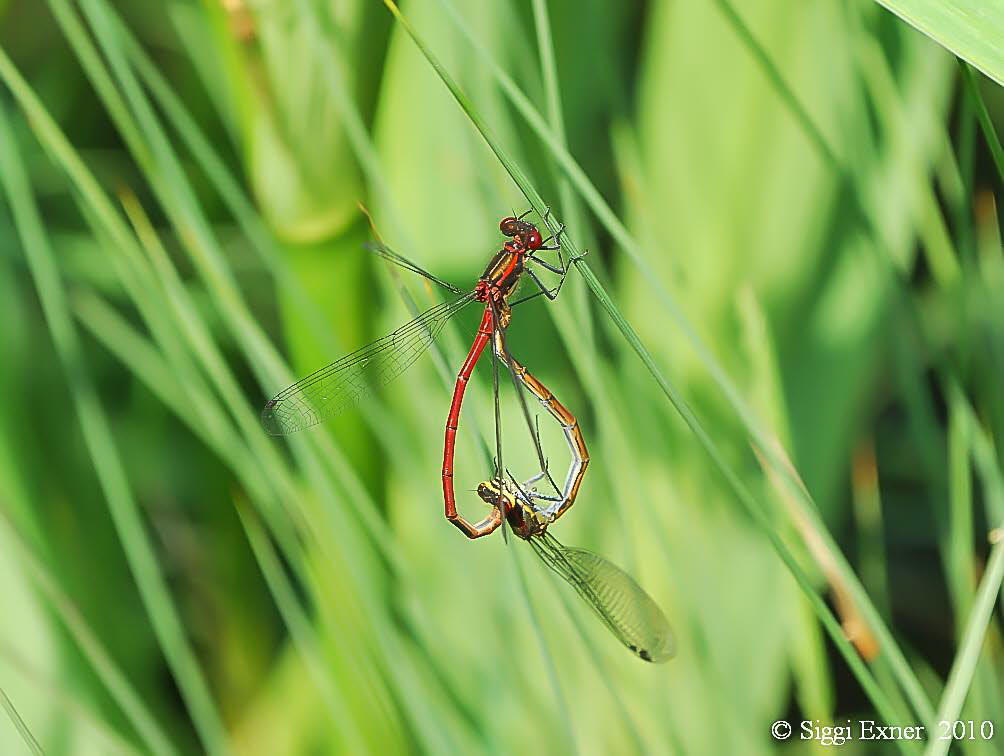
[{"x": 808, "y": 248}]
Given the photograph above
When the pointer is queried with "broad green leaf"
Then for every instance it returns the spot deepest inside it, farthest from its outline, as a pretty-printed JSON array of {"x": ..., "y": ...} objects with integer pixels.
[{"x": 971, "y": 29}]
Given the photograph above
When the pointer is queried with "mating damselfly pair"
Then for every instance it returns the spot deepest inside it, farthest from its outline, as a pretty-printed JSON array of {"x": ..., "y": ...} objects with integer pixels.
[{"x": 630, "y": 613}]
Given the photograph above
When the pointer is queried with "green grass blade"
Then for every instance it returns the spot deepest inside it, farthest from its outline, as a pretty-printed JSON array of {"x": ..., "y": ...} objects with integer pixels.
[
  {"x": 970, "y": 29},
  {"x": 108, "y": 466},
  {"x": 983, "y": 116},
  {"x": 114, "y": 681},
  {"x": 19, "y": 724},
  {"x": 301, "y": 631},
  {"x": 958, "y": 550},
  {"x": 958, "y": 553},
  {"x": 778, "y": 81},
  {"x": 70, "y": 708},
  {"x": 985, "y": 460},
  {"x": 960, "y": 678}
]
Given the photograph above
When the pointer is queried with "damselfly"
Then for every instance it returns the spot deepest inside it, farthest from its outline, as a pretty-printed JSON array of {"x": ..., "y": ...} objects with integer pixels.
[{"x": 345, "y": 382}]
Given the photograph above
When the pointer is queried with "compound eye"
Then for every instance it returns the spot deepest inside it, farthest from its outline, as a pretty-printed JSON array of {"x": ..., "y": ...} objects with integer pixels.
[
  {"x": 489, "y": 493},
  {"x": 533, "y": 240},
  {"x": 508, "y": 226}
]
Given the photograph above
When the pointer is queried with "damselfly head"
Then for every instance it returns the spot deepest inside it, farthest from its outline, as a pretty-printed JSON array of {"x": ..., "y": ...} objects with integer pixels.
[
  {"x": 525, "y": 232},
  {"x": 525, "y": 520},
  {"x": 490, "y": 493}
]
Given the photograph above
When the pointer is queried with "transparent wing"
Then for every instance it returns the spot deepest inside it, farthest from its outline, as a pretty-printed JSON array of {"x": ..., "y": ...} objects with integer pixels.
[
  {"x": 342, "y": 384},
  {"x": 630, "y": 613}
]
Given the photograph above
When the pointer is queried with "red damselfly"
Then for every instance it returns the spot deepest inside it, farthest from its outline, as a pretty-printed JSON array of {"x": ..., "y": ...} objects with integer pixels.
[{"x": 345, "y": 382}]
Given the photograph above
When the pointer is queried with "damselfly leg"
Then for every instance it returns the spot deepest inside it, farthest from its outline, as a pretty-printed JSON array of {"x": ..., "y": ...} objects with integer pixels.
[{"x": 570, "y": 428}]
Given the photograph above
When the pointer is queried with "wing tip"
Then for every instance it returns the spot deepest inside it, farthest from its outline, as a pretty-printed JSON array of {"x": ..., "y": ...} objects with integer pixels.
[{"x": 659, "y": 654}]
